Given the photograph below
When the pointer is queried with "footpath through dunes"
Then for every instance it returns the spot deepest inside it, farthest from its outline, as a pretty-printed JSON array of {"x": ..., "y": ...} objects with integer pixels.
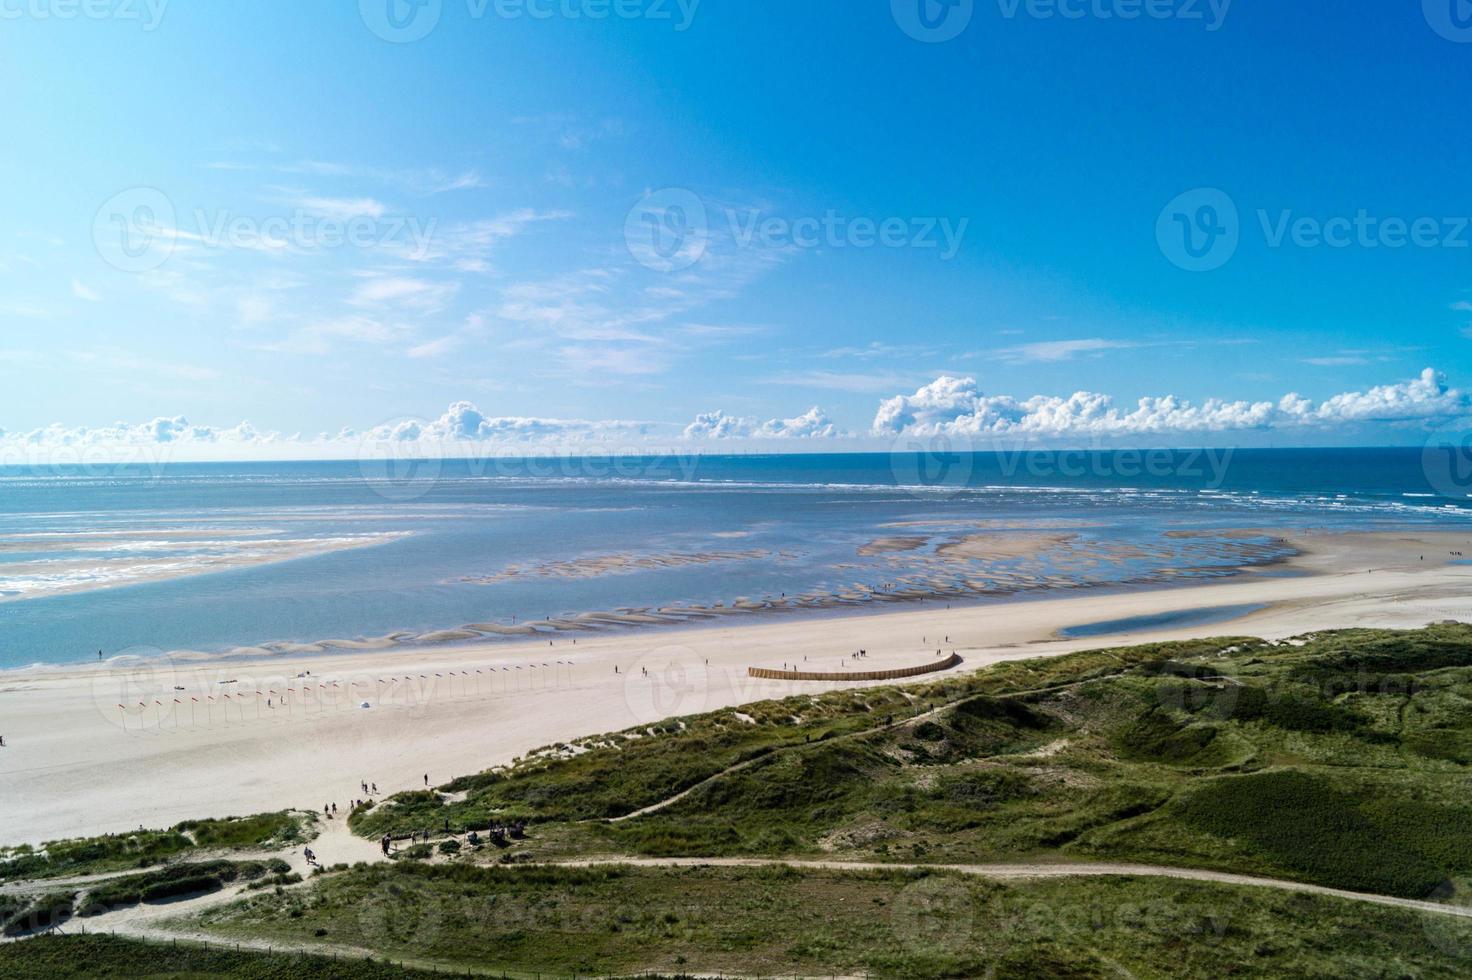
[{"x": 1027, "y": 871}]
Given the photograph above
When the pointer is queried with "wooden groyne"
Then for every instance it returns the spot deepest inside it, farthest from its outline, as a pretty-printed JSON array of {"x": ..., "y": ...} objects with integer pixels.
[{"x": 854, "y": 675}]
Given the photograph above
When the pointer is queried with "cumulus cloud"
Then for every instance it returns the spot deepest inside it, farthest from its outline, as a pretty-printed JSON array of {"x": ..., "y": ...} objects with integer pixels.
[
  {"x": 463, "y": 422},
  {"x": 812, "y": 424},
  {"x": 461, "y": 426},
  {"x": 957, "y": 406},
  {"x": 949, "y": 406}
]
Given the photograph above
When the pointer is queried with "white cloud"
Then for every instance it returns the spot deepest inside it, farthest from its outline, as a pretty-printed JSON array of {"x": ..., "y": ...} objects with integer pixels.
[
  {"x": 1339, "y": 360},
  {"x": 1060, "y": 350},
  {"x": 461, "y": 427},
  {"x": 320, "y": 336},
  {"x": 344, "y": 208},
  {"x": 467, "y": 246},
  {"x": 812, "y": 424},
  {"x": 957, "y": 406},
  {"x": 419, "y": 294},
  {"x": 81, "y": 291},
  {"x": 435, "y": 348}
]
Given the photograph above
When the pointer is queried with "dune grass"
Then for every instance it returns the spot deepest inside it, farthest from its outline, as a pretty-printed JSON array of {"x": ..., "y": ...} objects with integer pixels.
[
  {"x": 769, "y": 921},
  {"x": 1331, "y": 759},
  {"x": 94, "y": 957},
  {"x": 146, "y": 848}
]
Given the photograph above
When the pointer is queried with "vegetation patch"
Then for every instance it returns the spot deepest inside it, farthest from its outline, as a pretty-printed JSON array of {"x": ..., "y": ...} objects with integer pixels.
[
  {"x": 145, "y": 848},
  {"x": 176, "y": 881}
]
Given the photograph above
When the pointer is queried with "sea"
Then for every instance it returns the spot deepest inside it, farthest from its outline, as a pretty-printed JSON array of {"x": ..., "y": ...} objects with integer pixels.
[{"x": 244, "y": 558}]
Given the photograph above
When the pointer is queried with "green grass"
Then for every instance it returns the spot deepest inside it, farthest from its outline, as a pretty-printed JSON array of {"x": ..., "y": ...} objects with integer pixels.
[
  {"x": 1335, "y": 760},
  {"x": 755, "y": 921},
  {"x": 146, "y": 848},
  {"x": 1301, "y": 822},
  {"x": 21, "y": 916},
  {"x": 176, "y": 880},
  {"x": 621, "y": 773},
  {"x": 97, "y": 957}
]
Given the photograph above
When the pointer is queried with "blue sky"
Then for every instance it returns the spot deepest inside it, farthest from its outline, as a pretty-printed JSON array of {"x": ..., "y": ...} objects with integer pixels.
[{"x": 1035, "y": 175}]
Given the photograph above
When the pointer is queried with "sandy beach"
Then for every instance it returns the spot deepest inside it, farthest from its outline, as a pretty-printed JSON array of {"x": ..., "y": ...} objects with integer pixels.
[{"x": 107, "y": 748}]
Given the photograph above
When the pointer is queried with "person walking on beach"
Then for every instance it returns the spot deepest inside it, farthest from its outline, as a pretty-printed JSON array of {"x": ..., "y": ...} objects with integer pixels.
[{"x": 426, "y": 779}]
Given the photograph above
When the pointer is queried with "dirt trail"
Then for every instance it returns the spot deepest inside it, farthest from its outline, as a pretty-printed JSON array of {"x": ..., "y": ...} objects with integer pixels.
[
  {"x": 1032, "y": 871},
  {"x": 863, "y": 733}
]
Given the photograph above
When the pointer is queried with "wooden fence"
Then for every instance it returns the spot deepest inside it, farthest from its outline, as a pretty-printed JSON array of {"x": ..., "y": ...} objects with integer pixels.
[{"x": 854, "y": 675}]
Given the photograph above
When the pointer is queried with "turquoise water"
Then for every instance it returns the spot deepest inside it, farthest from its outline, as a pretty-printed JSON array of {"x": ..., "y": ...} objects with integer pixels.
[
  {"x": 1203, "y": 616},
  {"x": 188, "y": 557}
]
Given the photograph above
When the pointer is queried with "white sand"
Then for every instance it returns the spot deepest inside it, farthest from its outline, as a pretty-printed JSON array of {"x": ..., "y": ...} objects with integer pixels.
[{"x": 75, "y": 764}]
